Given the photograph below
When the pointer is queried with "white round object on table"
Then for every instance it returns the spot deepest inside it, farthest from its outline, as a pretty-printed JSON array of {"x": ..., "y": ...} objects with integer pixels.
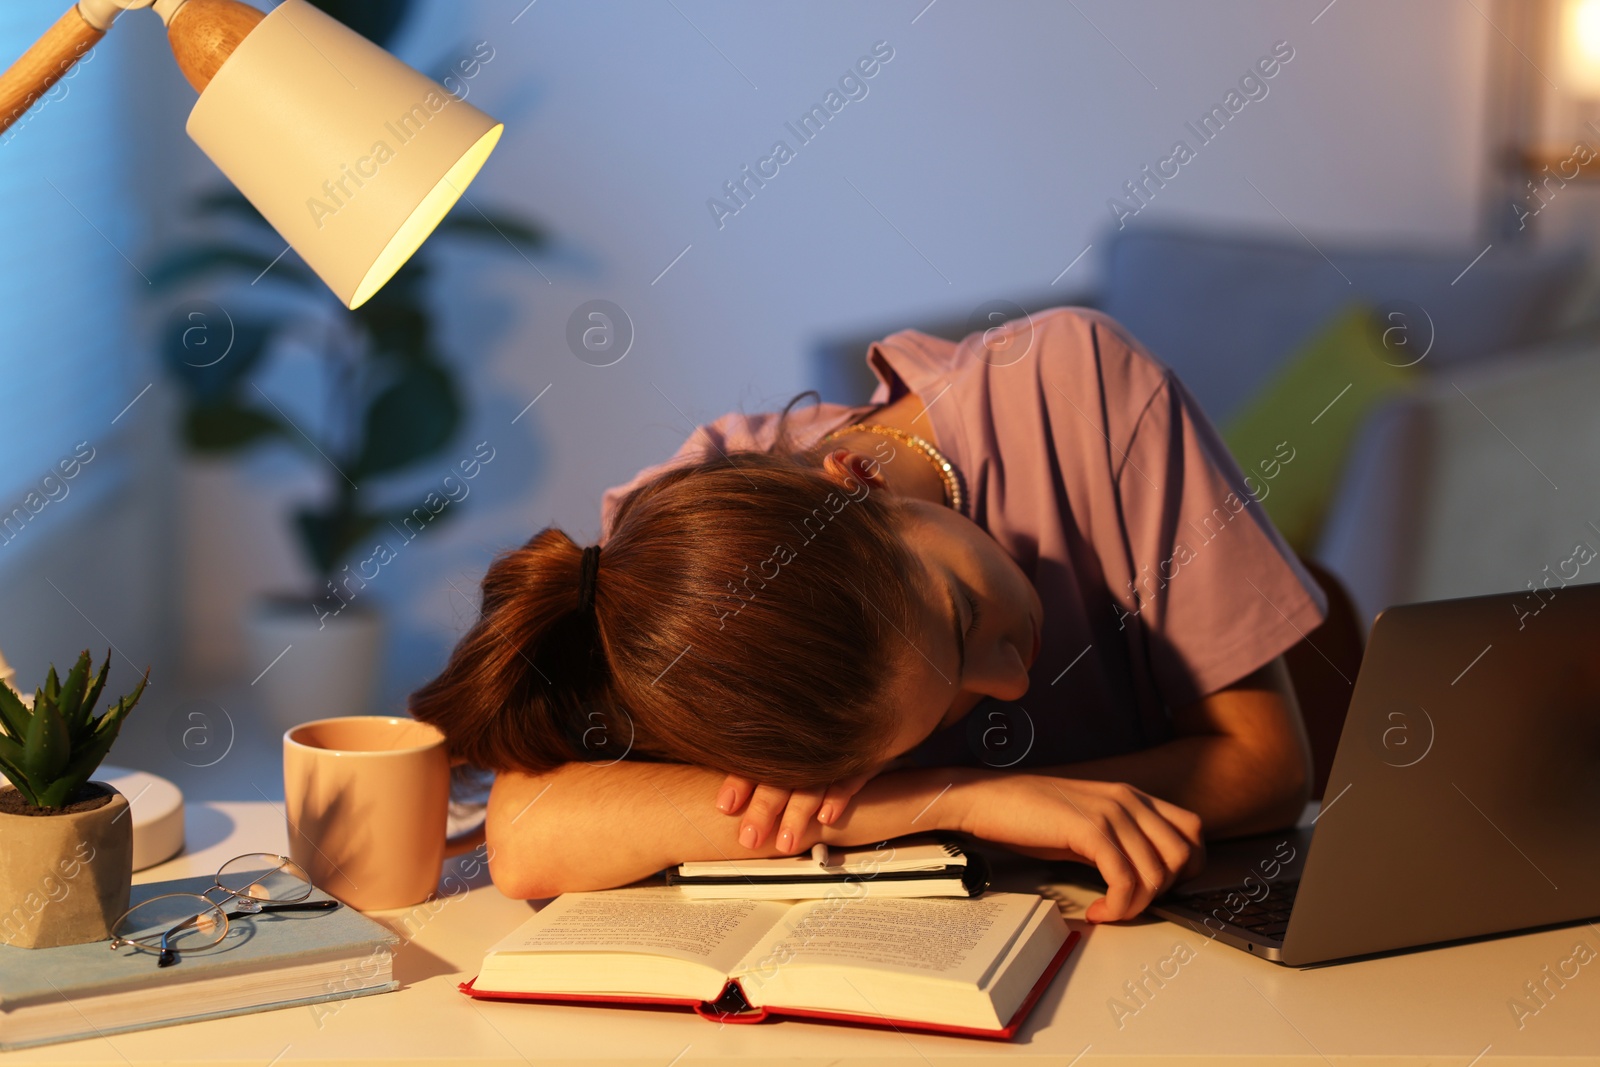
[{"x": 157, "y": 808}]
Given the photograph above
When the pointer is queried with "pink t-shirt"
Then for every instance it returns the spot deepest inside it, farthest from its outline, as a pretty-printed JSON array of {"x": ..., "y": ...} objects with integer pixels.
[{"x": 1091, "y": 464}]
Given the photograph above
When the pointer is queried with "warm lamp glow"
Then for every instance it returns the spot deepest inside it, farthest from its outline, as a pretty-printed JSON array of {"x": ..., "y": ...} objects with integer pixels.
[
  {"x": 1580, "y": 48},
  {"x": 351, "y": 155},
  {"x": 428, "y": 215}
]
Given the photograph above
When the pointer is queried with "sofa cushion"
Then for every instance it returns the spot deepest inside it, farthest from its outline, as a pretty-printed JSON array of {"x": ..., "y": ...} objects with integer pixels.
[
  {"x": 1293, "y": 436},
  {"x": 1224, "y": 310}
]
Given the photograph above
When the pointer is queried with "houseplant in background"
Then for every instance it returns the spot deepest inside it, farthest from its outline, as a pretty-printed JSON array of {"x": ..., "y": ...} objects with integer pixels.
[
  {"x": 392, "y": 403},
  {"x": 67, "y": 844}
]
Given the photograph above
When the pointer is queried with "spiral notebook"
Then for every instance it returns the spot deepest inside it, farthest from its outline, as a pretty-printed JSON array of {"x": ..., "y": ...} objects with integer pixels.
[{"x": 920, "y": 865}]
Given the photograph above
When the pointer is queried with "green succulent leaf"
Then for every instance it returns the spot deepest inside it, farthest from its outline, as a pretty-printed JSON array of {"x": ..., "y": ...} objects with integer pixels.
[
  {"x": 13, "y": 713},
  {"x": 60, "y": 747},
  {"x": 95, "y": 688},
  {"x": 84, "y": 761},
  {"x": 47, "y": 746},
  {"x": 127, "y": 702},
  {"x": 13, "y": 770},
  {"x": 11, "y": 752},
  {"x": 71, "y": 700}
]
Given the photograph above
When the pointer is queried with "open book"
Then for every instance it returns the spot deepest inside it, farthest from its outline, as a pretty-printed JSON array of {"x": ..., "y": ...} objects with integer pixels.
[{"x": 969, "y": 966}]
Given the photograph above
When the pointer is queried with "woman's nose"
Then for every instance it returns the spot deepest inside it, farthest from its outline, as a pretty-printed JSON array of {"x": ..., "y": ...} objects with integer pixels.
[{"x": 1007, "y": 676}]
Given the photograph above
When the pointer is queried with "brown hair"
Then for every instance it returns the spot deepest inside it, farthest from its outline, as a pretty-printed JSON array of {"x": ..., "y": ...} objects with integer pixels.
[{"x": 747, "y": 616}]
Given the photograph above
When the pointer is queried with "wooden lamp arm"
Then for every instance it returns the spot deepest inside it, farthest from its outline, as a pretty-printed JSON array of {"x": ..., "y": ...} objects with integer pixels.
[
  {"x": 202, "y": 33},
  {"x": 42, "y": 65}
]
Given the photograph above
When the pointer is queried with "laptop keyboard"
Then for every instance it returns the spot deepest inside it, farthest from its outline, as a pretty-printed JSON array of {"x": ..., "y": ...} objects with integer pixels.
[{"x": 1268, "y": 917}]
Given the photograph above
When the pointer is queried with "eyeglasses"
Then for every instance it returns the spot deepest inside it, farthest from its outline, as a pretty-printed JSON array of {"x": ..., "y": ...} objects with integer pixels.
[{"x": 185, "y": 922}]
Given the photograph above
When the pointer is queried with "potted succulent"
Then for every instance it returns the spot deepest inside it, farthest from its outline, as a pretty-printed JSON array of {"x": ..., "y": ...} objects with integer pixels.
[{"x": 68, "y": 847}]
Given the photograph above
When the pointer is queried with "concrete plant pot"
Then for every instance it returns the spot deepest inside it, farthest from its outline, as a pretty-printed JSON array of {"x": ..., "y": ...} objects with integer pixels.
[{"x": 66, "y": 875}]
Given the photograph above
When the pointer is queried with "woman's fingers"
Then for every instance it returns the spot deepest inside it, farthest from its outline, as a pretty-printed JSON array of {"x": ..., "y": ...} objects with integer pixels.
[
  {"x": 838, "y": 797},
  {"x": 803, "y": 804},
  {"x": 734, "y": 794},
  {"x": 761, "y": 819},
  {"x": 784, "y": 816},
  {"x": 1159, "y": 841},
  {"x": 1134, "y": 882},
  {"x": 1121, "y": 877},
  {"x": 1177, "y": 832}
]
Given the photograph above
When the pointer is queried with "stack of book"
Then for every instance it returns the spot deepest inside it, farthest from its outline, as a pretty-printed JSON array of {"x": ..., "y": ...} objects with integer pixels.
[{"x": 271, "y": 960}]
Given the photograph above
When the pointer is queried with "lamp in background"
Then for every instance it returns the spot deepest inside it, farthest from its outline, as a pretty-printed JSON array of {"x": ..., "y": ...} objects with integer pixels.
[
  {"x": 350, "y": 154},
  {"x": 1579, "y": 49}
]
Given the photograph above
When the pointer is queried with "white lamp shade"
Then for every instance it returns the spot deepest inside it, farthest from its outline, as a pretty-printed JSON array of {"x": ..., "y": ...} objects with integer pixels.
[{"x": 351, "y": 155}]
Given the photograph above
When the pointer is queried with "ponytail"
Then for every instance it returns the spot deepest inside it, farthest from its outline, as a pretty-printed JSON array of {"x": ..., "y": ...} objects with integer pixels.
[{"x": 520, "y": 683}]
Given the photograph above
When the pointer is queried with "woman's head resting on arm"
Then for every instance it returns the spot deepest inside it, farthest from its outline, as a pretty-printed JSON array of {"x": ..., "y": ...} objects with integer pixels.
[{"x": 792, "y": 617}]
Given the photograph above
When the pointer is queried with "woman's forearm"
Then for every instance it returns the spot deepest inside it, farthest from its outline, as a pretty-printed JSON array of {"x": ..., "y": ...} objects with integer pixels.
[
  {"x": 590, "y": 826},
  {"x": 1240, "y": 758},
  {"x": 1228, "y": 785}
]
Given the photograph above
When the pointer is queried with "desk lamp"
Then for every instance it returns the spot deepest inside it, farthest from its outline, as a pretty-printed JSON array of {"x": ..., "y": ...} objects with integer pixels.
[{"x": 350, "y": 154}]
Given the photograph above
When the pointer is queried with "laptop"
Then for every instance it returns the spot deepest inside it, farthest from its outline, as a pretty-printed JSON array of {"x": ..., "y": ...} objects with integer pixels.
[{"x": 1463, "y": 801}]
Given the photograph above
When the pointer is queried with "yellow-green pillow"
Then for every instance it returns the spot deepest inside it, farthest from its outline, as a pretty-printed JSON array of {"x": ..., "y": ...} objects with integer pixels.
[{"x": 1292, "y": 438}]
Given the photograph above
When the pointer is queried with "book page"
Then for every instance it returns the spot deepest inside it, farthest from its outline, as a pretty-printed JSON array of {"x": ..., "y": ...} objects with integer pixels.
[
  {"x": 959, "y": 940},
  {"x": 650, "y": 920}
]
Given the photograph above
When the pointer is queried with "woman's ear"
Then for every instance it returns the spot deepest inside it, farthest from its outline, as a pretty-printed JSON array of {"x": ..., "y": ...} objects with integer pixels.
[{"x": 852, "y": 469}]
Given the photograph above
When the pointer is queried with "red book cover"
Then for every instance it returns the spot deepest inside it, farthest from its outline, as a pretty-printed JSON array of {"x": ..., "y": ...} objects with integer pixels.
[{"x": 731, "y": 1006}]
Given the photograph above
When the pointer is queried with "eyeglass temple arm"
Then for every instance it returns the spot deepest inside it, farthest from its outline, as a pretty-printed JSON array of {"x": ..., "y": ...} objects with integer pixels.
[{"x": 304, "y": 905}]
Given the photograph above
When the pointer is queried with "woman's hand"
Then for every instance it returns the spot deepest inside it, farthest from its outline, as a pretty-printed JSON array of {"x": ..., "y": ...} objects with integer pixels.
[
  {"x": 794, "y": 808},
  {"x": 1141, "y": 844}
]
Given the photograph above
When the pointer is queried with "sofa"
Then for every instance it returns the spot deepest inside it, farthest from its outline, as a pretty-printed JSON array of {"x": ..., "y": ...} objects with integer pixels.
[{"x": 1447, "y": 488}]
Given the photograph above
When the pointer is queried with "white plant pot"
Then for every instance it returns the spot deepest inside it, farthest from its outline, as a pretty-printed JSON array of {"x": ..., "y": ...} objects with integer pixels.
[{"x": 305, "y": 668}]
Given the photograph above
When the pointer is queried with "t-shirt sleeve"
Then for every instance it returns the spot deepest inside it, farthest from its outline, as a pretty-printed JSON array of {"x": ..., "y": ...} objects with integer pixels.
[{"x": 1218, "y": 591}]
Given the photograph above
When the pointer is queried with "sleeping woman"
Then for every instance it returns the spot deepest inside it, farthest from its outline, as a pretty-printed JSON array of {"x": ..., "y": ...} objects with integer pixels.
[{"x": 1030, "y": 599}]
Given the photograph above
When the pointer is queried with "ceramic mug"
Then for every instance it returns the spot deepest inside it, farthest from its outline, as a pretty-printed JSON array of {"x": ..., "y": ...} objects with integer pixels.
[{"x": 366, "y": 799}]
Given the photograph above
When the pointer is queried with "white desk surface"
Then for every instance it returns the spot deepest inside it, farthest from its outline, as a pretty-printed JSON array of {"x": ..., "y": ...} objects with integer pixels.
[{"x": 1440, "y": 1006}]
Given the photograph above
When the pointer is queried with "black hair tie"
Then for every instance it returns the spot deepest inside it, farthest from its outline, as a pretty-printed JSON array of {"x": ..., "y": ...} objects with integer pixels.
[{"x": 586, "y": 578}]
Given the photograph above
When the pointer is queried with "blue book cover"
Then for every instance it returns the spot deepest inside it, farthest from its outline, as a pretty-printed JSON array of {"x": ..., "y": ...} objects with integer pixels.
[{"x": 254, "y": 944}]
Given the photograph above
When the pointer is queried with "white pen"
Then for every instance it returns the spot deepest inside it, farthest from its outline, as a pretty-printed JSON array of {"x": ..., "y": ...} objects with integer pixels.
[{"x": 819, "y": 852}]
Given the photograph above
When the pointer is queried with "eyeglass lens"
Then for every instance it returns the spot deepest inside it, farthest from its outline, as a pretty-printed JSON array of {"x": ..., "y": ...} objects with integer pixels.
[
  {"x": 190, "y": 922},
  {"x": 265, "y": 877}
]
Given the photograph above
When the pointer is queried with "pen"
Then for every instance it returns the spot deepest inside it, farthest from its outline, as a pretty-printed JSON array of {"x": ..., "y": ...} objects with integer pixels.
[{"x": 819, "y": 852}]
